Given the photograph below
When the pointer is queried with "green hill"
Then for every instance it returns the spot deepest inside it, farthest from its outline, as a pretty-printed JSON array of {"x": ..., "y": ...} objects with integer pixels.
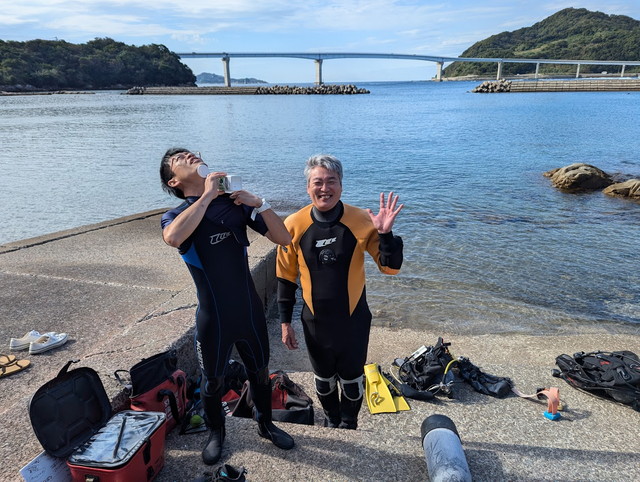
[
  {"x": 102, "y": 63},
  {"x": 572, "y": 34}
]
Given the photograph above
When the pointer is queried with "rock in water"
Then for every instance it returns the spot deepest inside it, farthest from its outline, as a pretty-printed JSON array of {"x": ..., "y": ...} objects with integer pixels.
[
  {"x": 579, "y": 177},
  {"x": 629, "y": 189}
]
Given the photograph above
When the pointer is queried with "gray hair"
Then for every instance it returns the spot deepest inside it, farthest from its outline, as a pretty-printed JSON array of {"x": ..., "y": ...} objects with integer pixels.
[{"x": 327, "y": 161}]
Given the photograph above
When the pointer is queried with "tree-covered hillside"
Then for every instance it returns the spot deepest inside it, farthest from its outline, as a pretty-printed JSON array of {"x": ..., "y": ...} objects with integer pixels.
[
  {"x": 572, "y": 34},
  {"x": 102, "y": 63}
]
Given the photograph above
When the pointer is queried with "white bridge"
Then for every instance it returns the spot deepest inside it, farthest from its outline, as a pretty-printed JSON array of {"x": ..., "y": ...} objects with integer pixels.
[{"x": 318, "y": 58}]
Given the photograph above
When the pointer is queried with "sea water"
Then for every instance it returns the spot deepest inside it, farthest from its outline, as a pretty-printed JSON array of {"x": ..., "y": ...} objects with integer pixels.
[{"x": 490, "y": 245}]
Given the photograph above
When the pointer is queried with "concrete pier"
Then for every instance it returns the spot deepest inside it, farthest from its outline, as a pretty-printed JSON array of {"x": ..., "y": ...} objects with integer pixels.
[
  {"x": 598, "y": 85},
  {"x": 122, "y": 294},
  {"x": 318, "y": 63},
  {"x": 226, "y": 71}
]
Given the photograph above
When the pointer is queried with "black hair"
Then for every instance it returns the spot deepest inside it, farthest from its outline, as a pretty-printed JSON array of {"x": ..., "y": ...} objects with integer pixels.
[{"x": 166, "y": 173}]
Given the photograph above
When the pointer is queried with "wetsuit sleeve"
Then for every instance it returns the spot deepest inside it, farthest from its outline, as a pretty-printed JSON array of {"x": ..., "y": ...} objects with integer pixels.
[
  {"x": 386, "y": 251},
  {"x": 391, "y": 250},
  {"x": 167, "y": 218},
  {"x": 287, "y": 275},
  {"x": 286, "y": 299}
]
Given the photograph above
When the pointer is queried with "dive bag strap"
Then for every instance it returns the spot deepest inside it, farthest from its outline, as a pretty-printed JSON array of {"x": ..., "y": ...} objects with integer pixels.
[
  {"x": 65, "y": 368},
  {"x": 172, "y": 402},
  {"x": 122, "y": 380},
  {"x": 552, "y": 395}
]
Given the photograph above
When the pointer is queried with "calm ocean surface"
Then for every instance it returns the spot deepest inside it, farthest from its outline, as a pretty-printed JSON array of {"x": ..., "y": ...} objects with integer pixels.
[{"x": 490, "y": 246}]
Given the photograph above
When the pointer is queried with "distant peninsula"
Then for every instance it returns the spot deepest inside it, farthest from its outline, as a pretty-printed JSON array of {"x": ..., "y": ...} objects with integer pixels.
[
  {"x": 207, "y": 78},
  {"x": 572, "y": 33},
  {"x": 102, "y": 63}
]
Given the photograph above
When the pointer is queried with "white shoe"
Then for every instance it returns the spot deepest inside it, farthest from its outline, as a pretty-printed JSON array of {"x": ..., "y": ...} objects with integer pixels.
[
  {"x": 47, "y": 342},
  {"x": 23, "y": 343}
]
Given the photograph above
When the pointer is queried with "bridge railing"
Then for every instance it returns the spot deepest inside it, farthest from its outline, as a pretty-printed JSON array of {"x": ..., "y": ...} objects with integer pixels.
[{"x": 319, "y": 57}]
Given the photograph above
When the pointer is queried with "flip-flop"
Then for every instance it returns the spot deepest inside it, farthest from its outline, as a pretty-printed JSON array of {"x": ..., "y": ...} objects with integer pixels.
[
  {"x": 18, "y": 366},
  {"x": 7, "y": 359}
]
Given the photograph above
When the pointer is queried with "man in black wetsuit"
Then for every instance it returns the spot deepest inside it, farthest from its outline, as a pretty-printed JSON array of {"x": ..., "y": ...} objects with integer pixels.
[
  {"x": 327, "y": 254},
  {"x": 209, "y": 230}
]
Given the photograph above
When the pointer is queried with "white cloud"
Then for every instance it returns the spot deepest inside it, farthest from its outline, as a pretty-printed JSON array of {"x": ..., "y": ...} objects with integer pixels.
[
  {"x": 12, "y": 20},
  {"x": 108, "y": 25},
  {"x": 433, "y": 27}
]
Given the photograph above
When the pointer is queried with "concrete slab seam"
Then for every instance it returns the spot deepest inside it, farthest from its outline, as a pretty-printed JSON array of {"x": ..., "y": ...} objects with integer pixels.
[{"x": 84, "y": 281}]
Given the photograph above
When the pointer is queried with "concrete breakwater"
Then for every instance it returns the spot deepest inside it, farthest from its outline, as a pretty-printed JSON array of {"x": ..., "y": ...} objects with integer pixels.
[
  {"x": 491, "y": 86},
  {"x": 121, "y": 301},
  {"x": 318, "y": 89},
  {"x": 577, "y": 85},
  {"x": 323, "y": 89},
  {"x": 47, "y": 92}
]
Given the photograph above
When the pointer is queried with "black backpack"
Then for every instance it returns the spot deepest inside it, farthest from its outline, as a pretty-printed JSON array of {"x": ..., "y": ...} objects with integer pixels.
[{"x": 612, "y": 375}]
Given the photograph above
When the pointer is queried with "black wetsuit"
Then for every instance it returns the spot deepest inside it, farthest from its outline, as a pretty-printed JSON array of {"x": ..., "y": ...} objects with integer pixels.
[
  {"x": 327, "y": 253},
  {"x": 229, "y": 309}
]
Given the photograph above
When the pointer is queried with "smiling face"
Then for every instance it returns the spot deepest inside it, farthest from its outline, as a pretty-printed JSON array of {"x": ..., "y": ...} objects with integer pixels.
[{"x": 324, "y": 188}]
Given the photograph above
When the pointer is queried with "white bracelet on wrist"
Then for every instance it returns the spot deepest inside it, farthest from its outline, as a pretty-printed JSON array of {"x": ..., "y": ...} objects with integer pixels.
[{"x": 263, "y": 207}]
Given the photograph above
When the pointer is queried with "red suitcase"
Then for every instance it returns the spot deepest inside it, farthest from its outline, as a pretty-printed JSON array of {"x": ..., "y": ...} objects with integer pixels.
[{"x": 71, "y": 417}]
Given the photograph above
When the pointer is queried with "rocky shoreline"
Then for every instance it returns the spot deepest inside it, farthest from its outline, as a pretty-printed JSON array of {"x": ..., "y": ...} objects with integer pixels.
[
  {"x": 580, "y": 177},
  {"x": 47, "y": 92}
]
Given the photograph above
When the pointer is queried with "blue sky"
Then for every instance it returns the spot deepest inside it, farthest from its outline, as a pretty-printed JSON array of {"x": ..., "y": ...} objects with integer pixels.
[{"x": 444, "y": 28}]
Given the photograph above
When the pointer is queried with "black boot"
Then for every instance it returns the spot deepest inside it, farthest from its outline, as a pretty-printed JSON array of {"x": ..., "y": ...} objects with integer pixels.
[
  {"x": 261, "y": 394},
  {"x": 213, "y": 450},
  {"x": 349, "y": 410},
  {"x": 331, "y": 407},
  {"x": 212, "y": 404},
  {"x": 279, "y": 437}
]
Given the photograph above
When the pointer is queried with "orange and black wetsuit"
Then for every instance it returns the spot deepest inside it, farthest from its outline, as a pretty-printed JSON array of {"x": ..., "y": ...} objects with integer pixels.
[{"x": 327, "y": 254}]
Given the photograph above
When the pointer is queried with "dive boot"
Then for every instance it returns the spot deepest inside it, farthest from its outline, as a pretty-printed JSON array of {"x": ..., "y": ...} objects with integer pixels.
[
  {"x": 349, "y": 410},
  {"x": 261, "y": 393},
  {"x": 215, "y": 421},
  {"x": 331, "y": 407},
  {"x": 279, "y": 437},
  {"x": 213, "y": 450}
]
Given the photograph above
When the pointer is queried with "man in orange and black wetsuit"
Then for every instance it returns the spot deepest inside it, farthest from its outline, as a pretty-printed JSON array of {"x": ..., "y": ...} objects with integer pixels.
[{"x": 329, "y": 240}]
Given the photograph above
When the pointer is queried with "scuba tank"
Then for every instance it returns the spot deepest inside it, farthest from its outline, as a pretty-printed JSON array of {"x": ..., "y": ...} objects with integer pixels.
[{"x": 443, "y": 451}]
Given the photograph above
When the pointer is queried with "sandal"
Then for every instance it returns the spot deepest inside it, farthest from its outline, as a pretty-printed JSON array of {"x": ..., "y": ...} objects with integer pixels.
[
  {"x": 7, "y": 359},
  {"x": 15, "y": 367}
]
